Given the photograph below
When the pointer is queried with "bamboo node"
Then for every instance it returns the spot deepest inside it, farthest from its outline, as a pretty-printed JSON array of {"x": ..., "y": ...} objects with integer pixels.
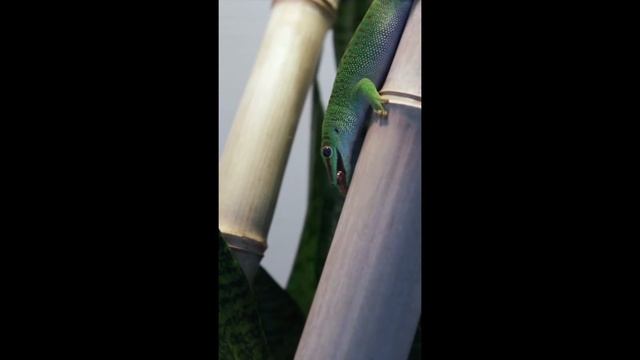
[
  {"x": 248, "y": 252},
  {"x": 401, "y": 94},
  {"x": 403, "y": 98},
  {"x": 327, "y": 8},
  {"x": 245, "y": 244}
]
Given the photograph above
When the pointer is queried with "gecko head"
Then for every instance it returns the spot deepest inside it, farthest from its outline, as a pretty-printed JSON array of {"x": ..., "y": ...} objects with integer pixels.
[{"x": 338, "y": 169}]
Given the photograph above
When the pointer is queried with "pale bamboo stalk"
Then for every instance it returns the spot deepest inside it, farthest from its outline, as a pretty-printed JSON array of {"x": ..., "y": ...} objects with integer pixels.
[
  {"x": 258, "y": 145},
  {"x": 367, "y": 305}
]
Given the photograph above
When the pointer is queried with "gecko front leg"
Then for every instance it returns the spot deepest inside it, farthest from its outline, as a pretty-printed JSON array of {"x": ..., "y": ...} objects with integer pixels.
[{"x": 365, "y": 87}]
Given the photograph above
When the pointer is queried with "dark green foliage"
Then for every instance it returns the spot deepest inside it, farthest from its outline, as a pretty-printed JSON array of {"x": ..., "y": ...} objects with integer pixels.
[
  {"x": 240, "y": 331},
  {"x": 350, "y": 13},
  {"x": 325, "y": 204},
  {"x": 282, "y": 319},
  {"x": 416, "y": 347}
]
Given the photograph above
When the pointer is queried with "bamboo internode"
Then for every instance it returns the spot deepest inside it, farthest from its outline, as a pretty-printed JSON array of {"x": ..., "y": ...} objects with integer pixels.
[
  {"x": 257, "y": 148},
  {"x": 367, "y": 305}
]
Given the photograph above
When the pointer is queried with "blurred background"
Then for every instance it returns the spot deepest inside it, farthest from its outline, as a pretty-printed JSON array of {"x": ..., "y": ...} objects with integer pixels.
[{"x": 242, "y": 25}]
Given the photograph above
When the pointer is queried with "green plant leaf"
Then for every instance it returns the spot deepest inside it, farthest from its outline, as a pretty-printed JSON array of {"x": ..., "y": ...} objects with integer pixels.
[
  {"x": 416, "y": 347},
  {"x": 282, "y": 319},
  {"x": 325, "y": 202},
  {"x": 240, "y": 333},
  {"x": 350, "y": 13},
  {"x": 323, "y": 211}
]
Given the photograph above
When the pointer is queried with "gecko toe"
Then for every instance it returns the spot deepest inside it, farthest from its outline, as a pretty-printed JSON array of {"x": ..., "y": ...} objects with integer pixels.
[{"x": 382, "y": 113}]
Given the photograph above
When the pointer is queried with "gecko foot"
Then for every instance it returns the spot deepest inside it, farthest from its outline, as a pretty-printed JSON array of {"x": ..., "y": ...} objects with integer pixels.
[{"x": 382, "y": 113}]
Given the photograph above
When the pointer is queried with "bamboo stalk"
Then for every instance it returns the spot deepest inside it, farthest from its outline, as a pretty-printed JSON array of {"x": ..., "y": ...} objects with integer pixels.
[
  {"x": 367, "y": 305},
  {"x": 255, "y": 155}
]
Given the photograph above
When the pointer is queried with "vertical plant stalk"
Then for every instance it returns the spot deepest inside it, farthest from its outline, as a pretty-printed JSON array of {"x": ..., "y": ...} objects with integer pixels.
[
  {"x": 367, "y": 305},
  {"x": 256, "y": 152}
]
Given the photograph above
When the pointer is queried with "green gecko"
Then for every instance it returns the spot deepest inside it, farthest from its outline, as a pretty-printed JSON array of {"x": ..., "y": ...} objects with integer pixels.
[{"x": 362, "y": 69}]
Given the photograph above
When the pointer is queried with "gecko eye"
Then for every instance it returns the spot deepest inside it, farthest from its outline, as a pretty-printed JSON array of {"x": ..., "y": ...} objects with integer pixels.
[{"x": 326, "y": 151}]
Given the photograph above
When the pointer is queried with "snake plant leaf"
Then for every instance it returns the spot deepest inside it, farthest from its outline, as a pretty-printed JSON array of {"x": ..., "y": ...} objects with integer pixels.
[
  {"x": 240, "y": 333},
  {"x": 416, "y": 347},
  {"x": 350, "y": 13},
  {"x": 324, "y": 206},
  {"x": 282, "y": 320},
  {"x": 325, "y": 203}
]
